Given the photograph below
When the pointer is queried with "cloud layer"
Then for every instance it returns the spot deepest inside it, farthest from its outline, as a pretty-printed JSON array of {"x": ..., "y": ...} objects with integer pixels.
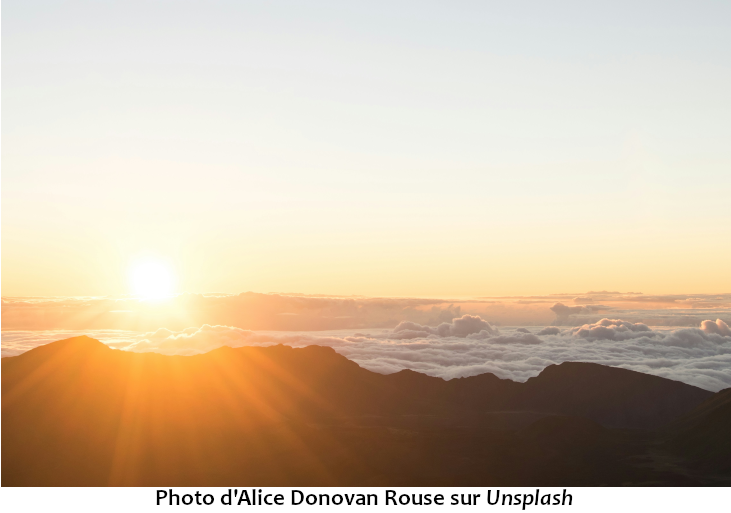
[
  {"x": 466, "y": 346},
  {"x": 296, "y": 312}
]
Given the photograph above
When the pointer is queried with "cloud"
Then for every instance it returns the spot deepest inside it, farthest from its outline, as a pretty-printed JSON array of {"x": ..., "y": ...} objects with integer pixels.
[
  {"x": 718, "y": 327},
  {"x": 516, "y": 338},
  {"x": 247, "y": 310},
  {"x": 459, "y": 327},
  {"x": 298, "y": 312},
  {"x": 458, "y": 349},
  {"x": 611, "y": 329},
  {"x": 549, "y": 330},
  {"x": 700, "y": 356},
  {"x": 190, "y": 340},
  {"x": 695, "y": 338},
  {"x": 563, "y": 311}
]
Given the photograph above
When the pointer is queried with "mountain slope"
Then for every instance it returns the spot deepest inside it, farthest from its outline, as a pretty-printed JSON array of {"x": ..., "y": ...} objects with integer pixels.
[
  {"x": 702, "y": 436},
  {"x": 611, "y": 396},
  {"x": 76, "y": 412}
]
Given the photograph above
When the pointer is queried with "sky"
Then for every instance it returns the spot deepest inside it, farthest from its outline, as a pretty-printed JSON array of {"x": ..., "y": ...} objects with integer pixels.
[{"x": 418, "y": 149}]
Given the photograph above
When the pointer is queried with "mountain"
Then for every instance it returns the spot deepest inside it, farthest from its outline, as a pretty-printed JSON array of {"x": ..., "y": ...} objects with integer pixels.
[
  {"x": 76, "y": 412},
  {"x": 702, "y": 436},
  {"x": 611, "y": 396}
]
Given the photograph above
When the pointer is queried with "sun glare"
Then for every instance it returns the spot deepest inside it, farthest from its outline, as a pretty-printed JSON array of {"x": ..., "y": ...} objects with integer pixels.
[{"x": 151, "y": 280}]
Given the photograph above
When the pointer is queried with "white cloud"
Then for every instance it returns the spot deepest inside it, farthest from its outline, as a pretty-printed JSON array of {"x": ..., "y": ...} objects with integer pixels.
[
  {"x": 611, "y": 329},
  {"x": 467, "y": 325},
  {"x": 718, "y": 327}
]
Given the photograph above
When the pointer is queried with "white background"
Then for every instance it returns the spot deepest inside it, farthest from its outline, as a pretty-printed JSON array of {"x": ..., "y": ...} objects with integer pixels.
[{"x": 584, "y": 499}]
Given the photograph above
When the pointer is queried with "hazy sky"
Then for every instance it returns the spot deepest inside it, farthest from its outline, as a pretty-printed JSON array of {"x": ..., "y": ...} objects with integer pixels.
[{"x": 386, "y": 148}]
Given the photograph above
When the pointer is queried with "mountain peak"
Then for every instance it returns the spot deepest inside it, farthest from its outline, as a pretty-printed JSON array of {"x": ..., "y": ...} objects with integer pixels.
[{"x": 82, "y": 343}]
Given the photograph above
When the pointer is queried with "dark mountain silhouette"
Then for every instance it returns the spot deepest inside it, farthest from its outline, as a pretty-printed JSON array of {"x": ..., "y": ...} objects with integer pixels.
[
  {"x": 612, "y": 397},
  {"x": 75, "y": 412},
  {"x": 702, "y": 437}
]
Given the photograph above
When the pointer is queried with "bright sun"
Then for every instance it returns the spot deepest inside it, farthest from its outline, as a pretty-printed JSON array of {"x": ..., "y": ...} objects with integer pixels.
[{"x": 151, "y": 280}]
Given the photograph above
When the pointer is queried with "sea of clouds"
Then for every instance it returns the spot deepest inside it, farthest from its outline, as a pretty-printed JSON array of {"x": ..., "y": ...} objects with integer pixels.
[{"x": 466, "y": 346}]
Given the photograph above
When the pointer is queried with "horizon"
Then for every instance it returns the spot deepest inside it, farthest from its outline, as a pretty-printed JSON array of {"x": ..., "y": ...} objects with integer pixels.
[{"x": 684, "y": 338}]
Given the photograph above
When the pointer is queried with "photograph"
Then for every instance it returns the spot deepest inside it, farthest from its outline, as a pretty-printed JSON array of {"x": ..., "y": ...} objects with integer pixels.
[{"x": 400, "y": 247}]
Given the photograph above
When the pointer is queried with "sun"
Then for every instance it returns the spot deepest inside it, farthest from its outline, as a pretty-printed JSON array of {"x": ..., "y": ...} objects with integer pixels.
[{"x": 151, "y": 280}]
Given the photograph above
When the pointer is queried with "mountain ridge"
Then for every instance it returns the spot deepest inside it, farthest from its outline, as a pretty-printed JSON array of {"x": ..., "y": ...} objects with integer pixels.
[
  {"x": 78, "y": 412},
  {"x": 637, "y": 400}
]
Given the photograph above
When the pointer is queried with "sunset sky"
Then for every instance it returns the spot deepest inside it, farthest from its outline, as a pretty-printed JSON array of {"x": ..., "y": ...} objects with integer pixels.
[{"x": 415, "y": 149}]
